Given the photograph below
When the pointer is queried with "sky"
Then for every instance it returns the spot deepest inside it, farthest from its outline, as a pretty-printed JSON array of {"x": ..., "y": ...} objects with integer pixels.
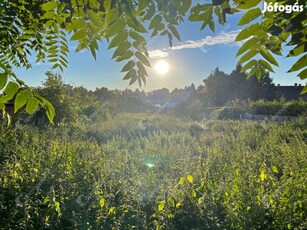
[{"x": 191, "y": 60}]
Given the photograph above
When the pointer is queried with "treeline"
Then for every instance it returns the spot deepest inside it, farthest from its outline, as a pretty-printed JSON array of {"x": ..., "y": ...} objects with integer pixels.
[{"x": 220, "y": 89}]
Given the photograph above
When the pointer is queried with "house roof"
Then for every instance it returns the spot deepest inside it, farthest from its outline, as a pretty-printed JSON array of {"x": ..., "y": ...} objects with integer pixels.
[{"x": 290, "y": 92}]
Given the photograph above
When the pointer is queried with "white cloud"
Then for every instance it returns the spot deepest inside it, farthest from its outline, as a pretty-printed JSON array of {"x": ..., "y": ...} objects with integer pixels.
[
  {"x": 158, "y": 53},
  {"x": 42, "y": 63},
  {"x": 223, "y": 38}
]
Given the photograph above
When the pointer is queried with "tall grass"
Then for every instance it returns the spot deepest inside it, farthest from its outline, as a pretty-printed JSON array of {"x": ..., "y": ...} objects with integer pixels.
[{"x": 120, "y": 175}]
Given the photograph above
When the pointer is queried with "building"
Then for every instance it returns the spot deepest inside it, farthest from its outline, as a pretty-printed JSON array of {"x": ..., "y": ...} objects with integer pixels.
[{"x": 290, "y": 92}]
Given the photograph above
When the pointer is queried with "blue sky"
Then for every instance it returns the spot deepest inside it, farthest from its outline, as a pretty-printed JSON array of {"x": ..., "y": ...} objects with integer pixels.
[{"x": 191, "y": 61}]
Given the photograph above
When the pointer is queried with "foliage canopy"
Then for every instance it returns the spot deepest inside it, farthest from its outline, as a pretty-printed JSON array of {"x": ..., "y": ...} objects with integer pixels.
[{"x": 44, "y": 28}]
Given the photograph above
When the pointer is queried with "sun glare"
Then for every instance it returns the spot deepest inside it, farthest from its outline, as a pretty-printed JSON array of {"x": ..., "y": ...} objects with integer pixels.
[
  {"x": 162, "y": 67},
  {"x": 150, "y": 165}
]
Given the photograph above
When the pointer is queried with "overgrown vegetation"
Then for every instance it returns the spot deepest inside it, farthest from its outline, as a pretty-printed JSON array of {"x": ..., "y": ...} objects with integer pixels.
[
  {"x": 231, "y": 175},
  {"x": 162, "y": 160}
]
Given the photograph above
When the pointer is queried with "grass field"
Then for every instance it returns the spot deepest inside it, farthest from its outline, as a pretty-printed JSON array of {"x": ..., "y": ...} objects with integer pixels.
[{"x": 139, "y": 171}]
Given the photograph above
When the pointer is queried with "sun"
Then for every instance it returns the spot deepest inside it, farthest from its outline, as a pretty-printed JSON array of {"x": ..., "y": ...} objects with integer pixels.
[{"x": 161, "y": 67}]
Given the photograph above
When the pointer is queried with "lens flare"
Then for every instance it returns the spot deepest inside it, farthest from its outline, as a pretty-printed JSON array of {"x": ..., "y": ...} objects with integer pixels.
[{"x": 150, "y": 165}]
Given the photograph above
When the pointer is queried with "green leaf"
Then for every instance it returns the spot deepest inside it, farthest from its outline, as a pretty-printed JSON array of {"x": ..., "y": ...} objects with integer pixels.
[
  {"x": 249, "y": 44},
  {"x": 10, "y": 91},
  {"x": 142, "y": 5},
  {"x": 118, "y": 39},
  {"x": 170, "y": 39},
  {"x": 259, "y": 72},
  {"x": 94, "y": 29},
  {"x": 190, "y": 179},
  {"x": 111, "y": 210},
  {"x": 184, "y": 6},
  {"x": 299, "y": 49},
  {"x": 205, "y": 23},
  {"x": 140, "y": 46},
  {"x": 101, "y": 202},
  {"x": 250, "y": 16},
  {"x": 123, "y": 48},
  {"x": 303, "y": 75},
  {"x": 161, "y": 206},
  {"x": 212, "y": 25},
  {"x": 218, "y": 12},
  {"x": 57, "y": 208},
  {"x": 111, "y": 16},
  {"x": 128, "y": 66},
  {"x": 266, "y": 54},
  {"x": 130, "y": 74},
  {"x": 252, "y": 72},
  {"x": 249, "y": 65},
  {"x": 304, "y": 90},
  {"x": 49, "y": 110},
  {"x": 2, "y": 106},
  {"x": 32, "y": 105},
  {"x": 80, "y": 34},
  {"x": 141, "y": 68},
  {"x": 115, "y": 28},
  {"x": 134, "y": 35},
  {"x": 174, "y": 31},
  {"x": 150, "y": 12},
  {"x": 95, "y": 19},
  {"x": 193, "y": 194},
  {"x": 3, "y": 80},
  {"x": 274, "y": 169},
  {"x": 21, "y": 99},
  {"x": 247, "y": 56},
  {"x": 127, "y": 55},
  {"x": 262, "y": 175},
  {"x": 63, "y": 63},
  {"x": 48, "y": 15},
  {"x": 107, "y": 5},
  {"x": 142, "y": 58},
  {"x": 234, "y": 10},
  {"x": 53, "y": 60},
  {"x": 301, "y": 63},
  {"x": 155, "y": 22},
  {"x": 133, "y": 79},
  {"x": 78, "y": 23},
  {"x": 93, "y": 51},
  {"x": 198, "y": 17},
  {"x": 266, "y": 65},
  {"x": 137, "y": 26},
  {"x": 247, "y": 32},
  {"x": 49, "y": 6}
]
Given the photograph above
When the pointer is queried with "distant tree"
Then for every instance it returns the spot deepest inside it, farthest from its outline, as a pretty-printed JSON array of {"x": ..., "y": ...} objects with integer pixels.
[
  {"x": 140, "y": 94},
  {"x": 215, "y": 86},
  {"x": 60, "y": 95},
  {"x": 178, "y": 96},
  {"x": 130, "y": 102},
  {"x": 104, "y": 94},
  {"x": 221, "y": 88},
  {"x": 158, "y": 95},
  {"x": 251, "y": 88},
  {"x": 193, "y": 87}
]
